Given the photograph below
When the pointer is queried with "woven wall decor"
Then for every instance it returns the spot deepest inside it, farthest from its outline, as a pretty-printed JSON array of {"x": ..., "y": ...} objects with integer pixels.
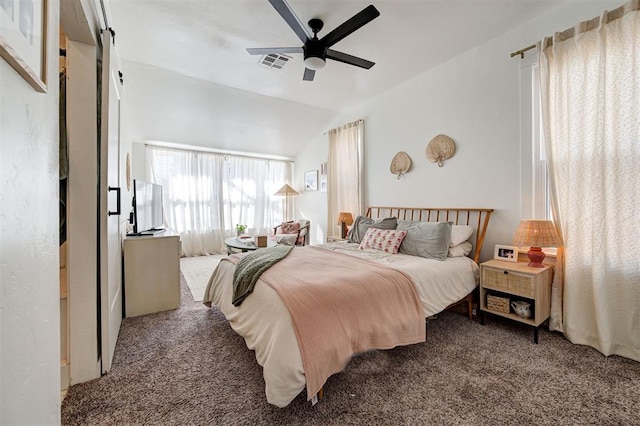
[
  {"x": 440, "y": 148},
  {"x": 400, "y": 164}
]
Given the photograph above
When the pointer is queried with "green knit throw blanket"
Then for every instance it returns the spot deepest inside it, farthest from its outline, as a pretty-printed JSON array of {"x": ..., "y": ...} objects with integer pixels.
[{"x": 250, "y": 267}]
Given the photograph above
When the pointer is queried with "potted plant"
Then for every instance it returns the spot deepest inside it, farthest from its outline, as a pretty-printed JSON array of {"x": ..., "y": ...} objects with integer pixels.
[{"x": 240, "y": 229}]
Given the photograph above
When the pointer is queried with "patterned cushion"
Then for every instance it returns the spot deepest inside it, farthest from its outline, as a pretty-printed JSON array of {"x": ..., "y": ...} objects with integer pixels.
[
  {"x": 387, "y": 240},
  {"x": 289, "y": 228}
]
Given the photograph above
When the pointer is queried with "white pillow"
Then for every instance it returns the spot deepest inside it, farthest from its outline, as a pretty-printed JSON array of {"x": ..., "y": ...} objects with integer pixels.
[
  {"x": 460, "y": 250},
  {"x": 460, "y": 234}
]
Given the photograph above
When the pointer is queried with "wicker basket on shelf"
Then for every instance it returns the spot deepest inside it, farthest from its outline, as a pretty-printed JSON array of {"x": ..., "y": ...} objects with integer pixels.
[{"x": 498, "y": 303}]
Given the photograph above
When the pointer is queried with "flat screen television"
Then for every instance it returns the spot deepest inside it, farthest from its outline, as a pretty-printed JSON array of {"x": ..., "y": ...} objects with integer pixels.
[{"x": 147, "y": 208}]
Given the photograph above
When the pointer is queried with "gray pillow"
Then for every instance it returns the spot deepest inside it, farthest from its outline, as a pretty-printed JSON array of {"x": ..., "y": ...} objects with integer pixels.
[
  {"x": 362, "y": 224},
  {"x": 426, "y": 239}
]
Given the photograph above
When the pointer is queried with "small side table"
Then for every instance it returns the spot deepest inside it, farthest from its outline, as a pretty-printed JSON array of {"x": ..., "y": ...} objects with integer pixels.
[
  {"x": 234, "y": 244},
  {"x": 507, "y": 282}
]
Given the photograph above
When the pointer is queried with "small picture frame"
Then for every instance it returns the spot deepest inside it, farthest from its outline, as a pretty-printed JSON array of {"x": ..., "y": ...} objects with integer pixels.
[
  {"x": 311, "y": 180},
  {"x": 507, "y": 253},
  {"x": 323, "y": 183}
]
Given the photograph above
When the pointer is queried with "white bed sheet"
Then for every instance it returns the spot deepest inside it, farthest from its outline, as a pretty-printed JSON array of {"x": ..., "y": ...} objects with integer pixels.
[{"x": 265, "y": 324}]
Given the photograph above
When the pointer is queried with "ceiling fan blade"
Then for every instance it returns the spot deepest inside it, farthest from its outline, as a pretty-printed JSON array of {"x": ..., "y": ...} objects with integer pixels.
[
  {"x": 290, "y": 18},
  {"x": 349, "y": 59},
  {"x": 267, "y": 50},
  {"x": 308, "y": 74},
  {"x": 358, "y": 20}
]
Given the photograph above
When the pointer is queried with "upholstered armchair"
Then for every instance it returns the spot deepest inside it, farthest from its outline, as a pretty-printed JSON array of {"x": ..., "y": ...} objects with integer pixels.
[{"x": 293, "y": 232}]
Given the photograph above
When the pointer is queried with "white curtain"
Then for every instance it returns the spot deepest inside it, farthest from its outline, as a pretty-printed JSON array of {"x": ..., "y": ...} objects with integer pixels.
[
  {"x": 345, "y": 191},
  {"x": 206, "y": 194},
  {"x": 249, "y": 193},
  {"x": 590, "y": 82}
]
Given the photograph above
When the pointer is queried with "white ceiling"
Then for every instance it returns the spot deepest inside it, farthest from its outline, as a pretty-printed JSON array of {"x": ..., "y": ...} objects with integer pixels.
[{"x": 206, "y": 40}]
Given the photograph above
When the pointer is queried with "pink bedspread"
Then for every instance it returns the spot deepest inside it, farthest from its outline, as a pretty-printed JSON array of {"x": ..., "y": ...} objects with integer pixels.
[{"x": 341, "y": 305}]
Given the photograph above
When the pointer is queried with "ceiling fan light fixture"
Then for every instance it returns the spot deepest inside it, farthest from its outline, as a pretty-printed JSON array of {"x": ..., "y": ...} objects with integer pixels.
[
  {"x": 316, "y": 51},
  {"x": 314, "y": 63}
]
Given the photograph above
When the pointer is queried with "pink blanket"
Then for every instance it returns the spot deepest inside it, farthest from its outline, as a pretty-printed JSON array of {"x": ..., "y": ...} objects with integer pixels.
[{"x": 341, "y": 305}]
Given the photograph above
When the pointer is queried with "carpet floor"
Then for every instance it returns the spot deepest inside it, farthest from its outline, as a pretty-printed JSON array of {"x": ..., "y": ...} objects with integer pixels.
[{"x": 187, "y": 366}]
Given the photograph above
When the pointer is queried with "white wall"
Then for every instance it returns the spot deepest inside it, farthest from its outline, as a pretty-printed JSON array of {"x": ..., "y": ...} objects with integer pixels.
[
  {"x": 166, "y": 106},
  {"x": 29, "y": 259},
  {"x": 311, "y": 205},
  {"x": 474, "y": 98}
]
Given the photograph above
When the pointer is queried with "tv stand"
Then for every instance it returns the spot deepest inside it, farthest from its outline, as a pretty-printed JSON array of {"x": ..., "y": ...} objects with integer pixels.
[{"x": 151, "y": 273}]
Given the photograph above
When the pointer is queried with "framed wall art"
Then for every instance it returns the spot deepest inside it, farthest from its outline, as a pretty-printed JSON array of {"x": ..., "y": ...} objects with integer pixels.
[
  {"x": 311, "y": 180},
  {"x": 23, "y": 39}
]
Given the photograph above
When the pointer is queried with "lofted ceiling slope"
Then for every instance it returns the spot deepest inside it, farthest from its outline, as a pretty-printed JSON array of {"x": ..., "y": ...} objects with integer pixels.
[{"x": 206, "y": 40}]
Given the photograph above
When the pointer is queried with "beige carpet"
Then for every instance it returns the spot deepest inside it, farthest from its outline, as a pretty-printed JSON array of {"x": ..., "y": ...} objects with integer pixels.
[
  {"x": 188, "y": 367},
  {"x": 197, "y": 271}
]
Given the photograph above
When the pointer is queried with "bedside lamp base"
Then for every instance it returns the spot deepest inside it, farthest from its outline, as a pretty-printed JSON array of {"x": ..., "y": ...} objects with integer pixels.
[
  {"x": 536, "y": 256},
  {"x": 343, "y": 230}
]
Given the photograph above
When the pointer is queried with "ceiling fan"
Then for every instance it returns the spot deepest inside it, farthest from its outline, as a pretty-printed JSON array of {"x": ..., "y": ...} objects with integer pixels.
[{"x": 317, "y": 51}]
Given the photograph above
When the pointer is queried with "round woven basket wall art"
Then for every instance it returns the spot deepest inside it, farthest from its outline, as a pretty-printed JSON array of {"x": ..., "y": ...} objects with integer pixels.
[
  {"x": 400, "y": 164},
  {"x": 440, "y": 148}
]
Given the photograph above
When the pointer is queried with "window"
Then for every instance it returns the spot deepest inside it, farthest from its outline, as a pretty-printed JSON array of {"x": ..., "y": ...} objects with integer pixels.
[
  {"x": 534, "y": 187},
  {"x": 207, "y": 193}
]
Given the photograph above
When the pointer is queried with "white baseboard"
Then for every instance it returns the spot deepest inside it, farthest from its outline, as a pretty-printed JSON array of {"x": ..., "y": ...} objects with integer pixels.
[{"x": 65, "y": 378}]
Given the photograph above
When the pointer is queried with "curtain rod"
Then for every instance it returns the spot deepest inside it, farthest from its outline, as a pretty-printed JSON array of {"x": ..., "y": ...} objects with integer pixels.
[
  {"x": 344, "y": 125},
  {"x": 184, "y": 147},
  {"x": 521, "y": 51},
  {"x": 584, "y": 26}
]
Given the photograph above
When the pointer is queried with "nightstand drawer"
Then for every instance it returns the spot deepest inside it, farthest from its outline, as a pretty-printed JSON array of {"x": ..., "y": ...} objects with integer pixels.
[{"x": 508, "y": 282}]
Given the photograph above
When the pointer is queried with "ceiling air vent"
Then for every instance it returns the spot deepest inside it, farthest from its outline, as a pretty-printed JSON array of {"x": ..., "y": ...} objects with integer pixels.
[{"x": 275, "y": 60}]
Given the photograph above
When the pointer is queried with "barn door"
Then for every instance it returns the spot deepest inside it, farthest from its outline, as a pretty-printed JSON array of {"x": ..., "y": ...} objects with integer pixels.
[{"x": 110, "y": 239}]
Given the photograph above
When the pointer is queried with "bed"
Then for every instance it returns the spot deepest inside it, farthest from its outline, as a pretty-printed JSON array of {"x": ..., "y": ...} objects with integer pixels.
[{"x": 288, "y": 343}]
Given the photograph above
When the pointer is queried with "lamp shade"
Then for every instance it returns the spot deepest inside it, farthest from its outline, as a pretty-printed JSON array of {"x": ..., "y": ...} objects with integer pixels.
[
  {"x": 287, "y": 190},
  {"x": 346, "y": 218},
  {"x": 536, "y": 234}
]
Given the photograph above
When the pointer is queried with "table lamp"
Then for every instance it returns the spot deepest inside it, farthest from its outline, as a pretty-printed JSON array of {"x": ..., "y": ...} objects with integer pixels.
[
  {"x": 536, "y": 234},
  {"x": 344, "y": 219}
]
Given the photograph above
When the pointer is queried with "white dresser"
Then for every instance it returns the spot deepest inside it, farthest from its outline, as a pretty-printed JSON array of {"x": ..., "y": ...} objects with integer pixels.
[{"x": 151, "y": 273}]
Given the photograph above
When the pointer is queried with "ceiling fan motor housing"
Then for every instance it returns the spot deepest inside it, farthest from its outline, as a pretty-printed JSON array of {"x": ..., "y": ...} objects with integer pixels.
[
  {"x": 317, "y": 51},
  {"x": 315, "y": 48}
]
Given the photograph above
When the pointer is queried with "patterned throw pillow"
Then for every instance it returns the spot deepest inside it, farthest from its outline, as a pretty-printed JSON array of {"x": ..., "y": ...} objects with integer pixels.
[
  {"x": 387, "y": 240},
  {"x": 289, "y": 227}
]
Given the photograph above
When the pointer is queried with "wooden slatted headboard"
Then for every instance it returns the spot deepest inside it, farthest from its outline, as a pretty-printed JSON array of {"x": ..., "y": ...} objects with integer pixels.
[{"x": 478, "y": 218}]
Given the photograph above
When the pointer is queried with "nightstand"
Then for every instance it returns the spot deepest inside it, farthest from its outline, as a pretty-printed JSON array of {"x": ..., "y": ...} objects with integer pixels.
[{"x": 502, "y": 284}]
